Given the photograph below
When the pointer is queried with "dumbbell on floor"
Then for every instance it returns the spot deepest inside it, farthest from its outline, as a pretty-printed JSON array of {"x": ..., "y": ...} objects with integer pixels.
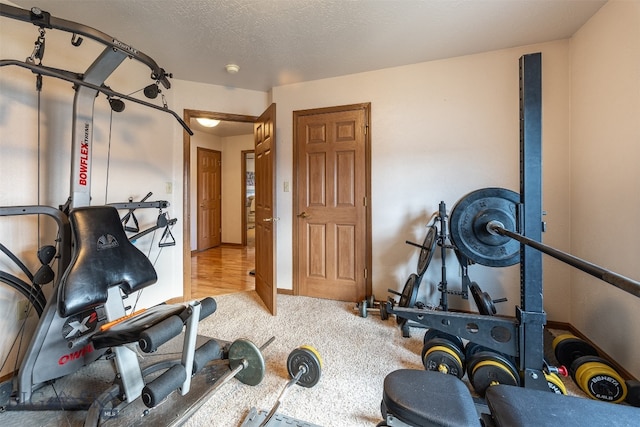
[
  {"x": 593, "y": 374},
  {"x": 370, "y": 304}
]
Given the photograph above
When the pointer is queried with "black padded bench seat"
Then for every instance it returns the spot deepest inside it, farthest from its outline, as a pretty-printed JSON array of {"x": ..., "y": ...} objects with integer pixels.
[
  {"x": 103, "y": 257},
  {"x": 428, "y": 398},
  {"x": 517, "y": 406}
]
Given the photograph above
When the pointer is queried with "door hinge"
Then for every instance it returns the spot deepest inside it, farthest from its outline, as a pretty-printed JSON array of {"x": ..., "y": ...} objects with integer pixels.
[
  {"x": 366, "y": 273},
  {"x": 364, "y": 201},
  {"x": 366, "y": 129}
]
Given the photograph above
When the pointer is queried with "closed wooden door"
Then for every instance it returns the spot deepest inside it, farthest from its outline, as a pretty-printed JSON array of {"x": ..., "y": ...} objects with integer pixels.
[
  {"x": 209, "y": 198},
  {"x": 265, "y": 220},
  {"x": 332, "y": 218}
]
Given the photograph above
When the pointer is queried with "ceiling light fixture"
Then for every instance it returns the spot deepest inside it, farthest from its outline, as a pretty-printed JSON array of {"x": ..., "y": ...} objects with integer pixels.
[
  {"x": 232, "y": 68},
  {"x": 208, "y": 123}
]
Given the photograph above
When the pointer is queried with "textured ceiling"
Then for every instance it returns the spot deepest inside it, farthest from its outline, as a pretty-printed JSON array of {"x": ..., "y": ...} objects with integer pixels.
[{"x": 277, "y": 42}]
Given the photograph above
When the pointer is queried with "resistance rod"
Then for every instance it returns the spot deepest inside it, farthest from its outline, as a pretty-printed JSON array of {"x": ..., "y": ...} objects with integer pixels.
[{"x": 628, "y": 285}]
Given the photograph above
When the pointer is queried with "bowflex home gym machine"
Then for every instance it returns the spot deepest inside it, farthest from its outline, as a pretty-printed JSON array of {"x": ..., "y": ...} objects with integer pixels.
[
  {"x": 498, "y": 227},
  {"x": 86, "y": 317}
]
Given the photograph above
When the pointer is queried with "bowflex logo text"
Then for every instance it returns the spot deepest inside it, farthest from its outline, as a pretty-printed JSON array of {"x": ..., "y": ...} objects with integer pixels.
[
  {"x": 75, "y": 355},
  {"x": 84, "y": 157}
]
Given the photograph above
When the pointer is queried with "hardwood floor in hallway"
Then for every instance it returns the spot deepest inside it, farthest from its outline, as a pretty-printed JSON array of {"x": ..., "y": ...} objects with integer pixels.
[{"x": 222, "y": 270}]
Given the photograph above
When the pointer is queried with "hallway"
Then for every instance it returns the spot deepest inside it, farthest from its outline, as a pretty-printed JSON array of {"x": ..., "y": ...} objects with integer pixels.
[{"x": 222, "y": 270}]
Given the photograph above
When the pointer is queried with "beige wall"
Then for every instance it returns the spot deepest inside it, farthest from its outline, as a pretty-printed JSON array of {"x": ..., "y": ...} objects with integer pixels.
[
  {"x": 605, "y": 177},
  {"x": 440, "y": 130}
]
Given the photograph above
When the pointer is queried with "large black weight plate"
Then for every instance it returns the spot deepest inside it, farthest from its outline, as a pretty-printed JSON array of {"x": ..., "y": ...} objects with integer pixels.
[
  {"x": 468, "y": 226},
  {"x": 428, "y": 246}
]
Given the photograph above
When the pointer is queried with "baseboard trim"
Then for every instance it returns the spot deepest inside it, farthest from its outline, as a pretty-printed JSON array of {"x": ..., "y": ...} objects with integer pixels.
[
  {"x": 285, "y": 291},
  {"x": 232, "y": 245},
  {"x": 569, "y": 327}
]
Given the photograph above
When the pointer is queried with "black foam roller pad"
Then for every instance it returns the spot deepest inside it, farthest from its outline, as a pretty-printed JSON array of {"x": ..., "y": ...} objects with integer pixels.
[
  {"x": 160, "y": 333},
  {"x": 206, "y": 353},
  {"x": 154, "y": 392},
  {"x": 207, "y": 307}
]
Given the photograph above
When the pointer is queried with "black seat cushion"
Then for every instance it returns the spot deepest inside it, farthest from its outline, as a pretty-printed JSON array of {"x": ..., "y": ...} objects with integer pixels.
[
  {"x": 428, "y": 398},
  {"x": 103, "y": 257},
  {"x": 518, "y": 406}
]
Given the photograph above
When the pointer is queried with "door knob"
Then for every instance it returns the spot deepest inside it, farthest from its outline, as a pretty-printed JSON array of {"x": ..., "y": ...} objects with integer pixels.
[
  {"x": 303, "y": 214},
  {"x": 271, "y": 219}
]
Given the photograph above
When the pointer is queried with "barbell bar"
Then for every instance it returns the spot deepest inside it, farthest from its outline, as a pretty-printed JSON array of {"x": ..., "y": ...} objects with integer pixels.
[
  {"x": 483, "y": 228},
  {"x": 617, "y": 280}
]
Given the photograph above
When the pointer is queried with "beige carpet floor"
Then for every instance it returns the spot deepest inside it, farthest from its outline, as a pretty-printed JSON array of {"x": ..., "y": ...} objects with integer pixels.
[{"x": 357, "y": 353}]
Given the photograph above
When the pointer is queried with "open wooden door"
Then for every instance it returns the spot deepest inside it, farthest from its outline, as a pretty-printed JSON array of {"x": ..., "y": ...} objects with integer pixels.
[{"x": 265, "y": 160}]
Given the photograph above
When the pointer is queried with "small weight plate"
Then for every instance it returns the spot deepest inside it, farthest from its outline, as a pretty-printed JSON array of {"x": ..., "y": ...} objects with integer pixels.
[
  {"x": 601, "y": 382},
  {"x": 555, "y": 384},
  {"x": 409, "y": 295},
  {"x": 384, "y": 315},
  {"x": 445, "y": 342},
  {"x": 483, "y": 300},
  {"x": 307, "y": 358},
  {"x": 472, "y": 348},
  {"x": 434, "y": 333},
  {"x": 569, "y": 349},
  {"x": 560, "y": 338},
  {"x": 426, "y": 252},
  {"x": 243, "y": 349},
  {"x": 363, "y": 308},
  {"x": 468, "y": 226},
  {"x": 581, "y": 360},
  {"x": 443, "y": 356},
  {"x": 371, "y": 300},
  {"x": 487, "y": 368}
]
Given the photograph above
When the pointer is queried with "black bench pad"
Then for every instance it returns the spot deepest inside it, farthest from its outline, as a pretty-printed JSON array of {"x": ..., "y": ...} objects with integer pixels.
[
  {"x": 103, "y": 258},
  {"x": 428, "y": 398},
  {"x": 517, "y": 406}
]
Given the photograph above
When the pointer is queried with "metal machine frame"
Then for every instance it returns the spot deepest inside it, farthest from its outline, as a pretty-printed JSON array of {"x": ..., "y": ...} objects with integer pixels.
[
  {"x": 48, "y": 347},
  {"x": 521, "y": 337}
]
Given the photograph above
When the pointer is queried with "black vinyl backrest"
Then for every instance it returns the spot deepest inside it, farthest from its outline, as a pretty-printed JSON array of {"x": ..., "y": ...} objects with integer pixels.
[{"x": 103, "y": 257}]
